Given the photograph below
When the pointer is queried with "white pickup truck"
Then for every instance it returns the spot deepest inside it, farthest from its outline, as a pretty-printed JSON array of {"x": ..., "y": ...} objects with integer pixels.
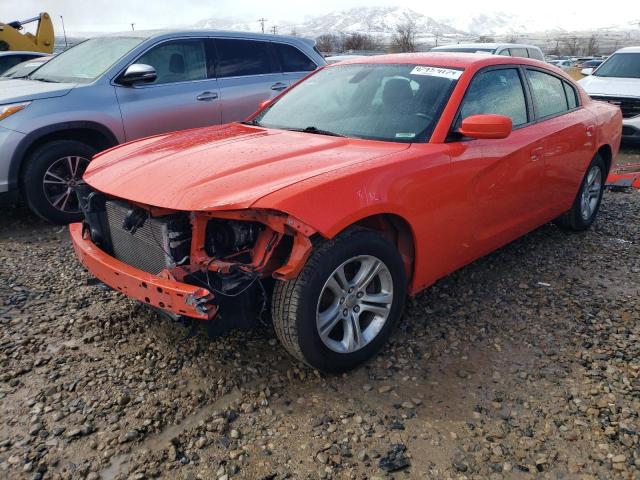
[{"x": 617, "y": 81}]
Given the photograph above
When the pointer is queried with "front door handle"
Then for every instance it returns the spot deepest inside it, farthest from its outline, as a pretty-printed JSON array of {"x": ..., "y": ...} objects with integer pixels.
[
  {"x": 278, "y": 86},
  {"x": 207, "y": 96},
  {"x": 536, "y": 153}
]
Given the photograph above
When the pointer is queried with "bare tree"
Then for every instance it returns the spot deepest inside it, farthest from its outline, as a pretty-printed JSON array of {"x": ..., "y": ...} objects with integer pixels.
[
  {"x": 592, "y": 45},
  {"x": 556, "y": 49},
  {"x": 486, "y": 39},
  {"x": 512, "y": 38},
  {"x": 327, "y": 43},
  {"x": 572, "y": 45},
  {"x": 404, "y": 40},
  {"x": 360, "y": 41},
  {"x": 294, "y": 32}
]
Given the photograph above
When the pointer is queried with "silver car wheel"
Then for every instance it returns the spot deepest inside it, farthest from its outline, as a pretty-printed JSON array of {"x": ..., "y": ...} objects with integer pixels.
[
  {"x": 60, "y": 182},
  {"x": 354, "y": 304},
  {"x": 591, "y": 193}
]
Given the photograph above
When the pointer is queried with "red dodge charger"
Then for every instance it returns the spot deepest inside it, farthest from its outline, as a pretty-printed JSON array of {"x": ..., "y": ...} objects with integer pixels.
[{"x": 365, "y": 182}]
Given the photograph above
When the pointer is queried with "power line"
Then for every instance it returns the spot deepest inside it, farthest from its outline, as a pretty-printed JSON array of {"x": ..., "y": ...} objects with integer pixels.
[{"x": 274, "y": 29}]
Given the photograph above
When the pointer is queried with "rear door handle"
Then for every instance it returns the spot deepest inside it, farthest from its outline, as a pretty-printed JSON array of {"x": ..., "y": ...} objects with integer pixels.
[
  {"x": 207, "y": 96},
  {"x": 278, "y": 86},
  {"x": 536, "y": 153},
  {"x": 590, "y": 130}
]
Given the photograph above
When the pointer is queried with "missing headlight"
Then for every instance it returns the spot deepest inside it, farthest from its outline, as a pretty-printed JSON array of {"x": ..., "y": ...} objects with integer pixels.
[{"x": 226, "y": 237}]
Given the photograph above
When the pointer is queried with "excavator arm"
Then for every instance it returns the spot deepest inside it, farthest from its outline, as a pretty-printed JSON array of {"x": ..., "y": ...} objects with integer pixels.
[{"x": 12, "y": 39}]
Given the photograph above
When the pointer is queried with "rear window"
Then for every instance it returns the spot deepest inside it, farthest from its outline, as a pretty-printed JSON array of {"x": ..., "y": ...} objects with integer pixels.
[
  {"x": 292, "y": 59},
  {"x": 238, "y": 58},
  {"x": 535, "y": 53},
  {"x": 548, "y": 91},
  {"x": 572, "y": 97},
  {"x": 518, "y": 52}
]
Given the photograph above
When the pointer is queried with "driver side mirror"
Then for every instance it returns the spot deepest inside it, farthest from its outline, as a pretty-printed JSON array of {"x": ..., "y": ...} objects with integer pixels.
[
  {"x": 486, "y": 126},
  {"x": 586, "y": 71},
  {"x": 138, "y": 73}
]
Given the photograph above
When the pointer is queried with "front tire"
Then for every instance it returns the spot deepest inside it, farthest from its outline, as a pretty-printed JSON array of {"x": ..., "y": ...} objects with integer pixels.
[
  {"x": 50, "y": 176},
  {"x": 587, "y": 202},
  {"x": 341, "y": 308}
]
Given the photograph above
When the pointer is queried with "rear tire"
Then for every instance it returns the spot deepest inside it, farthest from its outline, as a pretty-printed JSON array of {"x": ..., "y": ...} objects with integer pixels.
[
  {"x": 49, "y": 178},
  {"x": 371, "y": 291},
  {"x": 587, "y": 202}
]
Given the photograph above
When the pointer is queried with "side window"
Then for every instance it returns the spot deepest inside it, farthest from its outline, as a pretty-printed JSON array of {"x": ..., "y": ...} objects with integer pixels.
[
  {"x": 505, "y": 52},
  {"x": 238, "y": 58},
  {"x": 519, "y": 52},
  {"x": 292, "y": 59},
  {"x": 572, "y": 98},
  {"x": 498, "y": 92},
  {"x": 177, "y": 61},
  {"x": 549, "y": 97},
  {"x": 535, "y": 53}
]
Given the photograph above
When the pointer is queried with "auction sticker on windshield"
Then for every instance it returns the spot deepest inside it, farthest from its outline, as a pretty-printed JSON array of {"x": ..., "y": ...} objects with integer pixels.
[{"x": 437, "y": 72}]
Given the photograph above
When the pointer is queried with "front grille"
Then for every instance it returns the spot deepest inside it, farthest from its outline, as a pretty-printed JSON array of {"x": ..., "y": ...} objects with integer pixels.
[
  {"x": 150, "y": 247},
  {"x": 630, "y": 106}
]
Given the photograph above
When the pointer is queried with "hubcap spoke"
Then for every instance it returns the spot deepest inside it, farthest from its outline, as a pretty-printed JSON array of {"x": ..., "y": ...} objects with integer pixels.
[
  {"x": 60, "y": 181},
  {"x": 368, "y": 271}
]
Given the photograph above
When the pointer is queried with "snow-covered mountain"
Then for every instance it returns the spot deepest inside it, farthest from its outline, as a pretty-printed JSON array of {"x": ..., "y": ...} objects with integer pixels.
[{"x": 382, "y": 22}]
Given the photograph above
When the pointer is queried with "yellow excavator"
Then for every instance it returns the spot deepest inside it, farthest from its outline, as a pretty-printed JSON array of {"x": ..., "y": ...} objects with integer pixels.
[{"x": 12, "y": 39}]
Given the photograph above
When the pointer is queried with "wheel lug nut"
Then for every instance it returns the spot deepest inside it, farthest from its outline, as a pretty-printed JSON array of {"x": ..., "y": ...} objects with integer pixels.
[
  {"x": 360, "y": 295},
  {"x": 342, "y": 300},
  {"x": 356, "y": 309},
  {"x": 345, "y": 312},
  {"x": 351, "y": 290}
]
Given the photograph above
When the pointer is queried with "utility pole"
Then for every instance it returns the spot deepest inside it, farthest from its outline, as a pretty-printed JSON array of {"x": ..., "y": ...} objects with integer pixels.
[
  {"x": 262, "y": 20},
  {"x": 274, "y": 29},
  {"x": 66, "y": 44},
  {"x": 133, "y": 27}
]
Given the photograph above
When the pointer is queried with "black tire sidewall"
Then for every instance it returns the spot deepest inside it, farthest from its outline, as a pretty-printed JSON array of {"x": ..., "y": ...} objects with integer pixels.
[
  {"x": 362, "y": 242},
  {"x": 580, "y": 222},
  {"x": 33, "y": 174}
]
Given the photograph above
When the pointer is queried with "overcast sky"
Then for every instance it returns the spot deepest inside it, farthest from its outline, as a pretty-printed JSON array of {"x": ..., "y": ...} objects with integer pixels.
[{"x": 116, "y": 15}]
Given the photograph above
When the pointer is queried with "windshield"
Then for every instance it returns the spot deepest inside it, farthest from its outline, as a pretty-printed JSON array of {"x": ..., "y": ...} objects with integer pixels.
[
  {"x": 21, "y": 70},
  {"x": 399, "y": 103},
  {"x": 624, "y": 65},
  {"x": 86, "y": 61}
]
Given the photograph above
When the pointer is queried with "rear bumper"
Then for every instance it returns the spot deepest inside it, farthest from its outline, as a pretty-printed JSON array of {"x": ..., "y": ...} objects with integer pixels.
[{"x": 169, "y": 295}]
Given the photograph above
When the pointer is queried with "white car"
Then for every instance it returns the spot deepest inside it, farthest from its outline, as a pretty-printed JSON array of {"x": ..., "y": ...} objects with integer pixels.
[
  {"x": 617, "y": 81},
  {"x": 563, "y": 64},
  {"x": 508, "y": 49}
]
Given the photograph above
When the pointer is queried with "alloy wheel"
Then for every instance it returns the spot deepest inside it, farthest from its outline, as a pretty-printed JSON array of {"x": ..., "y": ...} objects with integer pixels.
[
  {"x": 354, "y": 304},
  {"x": 60, "y": 182},
  {"x": 591, "y": 193}
]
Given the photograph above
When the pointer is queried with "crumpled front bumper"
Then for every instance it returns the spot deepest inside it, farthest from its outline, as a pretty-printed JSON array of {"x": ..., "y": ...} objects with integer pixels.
[{"x": 169, "y": 295}]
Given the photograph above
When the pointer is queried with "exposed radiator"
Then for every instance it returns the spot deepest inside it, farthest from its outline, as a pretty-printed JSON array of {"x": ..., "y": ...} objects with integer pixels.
[{"x": 149, "y": 248}]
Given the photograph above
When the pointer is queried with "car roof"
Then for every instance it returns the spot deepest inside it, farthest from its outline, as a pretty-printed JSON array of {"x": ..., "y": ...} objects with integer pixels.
[
  {"x": 444, "y": 59},
  {"x": 168, "y": 34},
  {"x": 629, "y": 50},
  {"x": 484, "y": 45},
  {"x": 19, "y": 52}
]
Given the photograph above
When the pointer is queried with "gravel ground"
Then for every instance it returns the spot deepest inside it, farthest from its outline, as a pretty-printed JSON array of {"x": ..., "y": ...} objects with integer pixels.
[{"x": 523, "y": 364}]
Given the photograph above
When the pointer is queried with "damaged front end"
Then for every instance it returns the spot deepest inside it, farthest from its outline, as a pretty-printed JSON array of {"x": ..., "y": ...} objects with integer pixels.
[{"x": 198, "y": 264}]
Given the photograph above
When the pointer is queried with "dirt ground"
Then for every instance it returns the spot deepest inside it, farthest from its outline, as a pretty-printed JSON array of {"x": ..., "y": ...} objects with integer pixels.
[{"x": 524, "y": 364}]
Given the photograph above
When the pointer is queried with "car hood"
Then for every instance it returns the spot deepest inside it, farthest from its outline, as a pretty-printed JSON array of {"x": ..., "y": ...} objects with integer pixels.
[
  {"x": 21, "y": 90},
  {"x": 613, "y": 86},
  {"x": 225, "y": 167}
]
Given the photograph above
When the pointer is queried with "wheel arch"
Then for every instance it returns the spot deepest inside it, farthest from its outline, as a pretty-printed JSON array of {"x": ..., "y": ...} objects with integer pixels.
[
  {"x": 606, "y": 153},
  {"x": 91, "y": 133},
  {"x": 393, "y": 226}
]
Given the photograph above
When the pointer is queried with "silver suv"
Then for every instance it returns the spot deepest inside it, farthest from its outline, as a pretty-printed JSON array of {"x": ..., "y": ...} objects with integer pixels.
[{"x": 108, "y": 90}]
